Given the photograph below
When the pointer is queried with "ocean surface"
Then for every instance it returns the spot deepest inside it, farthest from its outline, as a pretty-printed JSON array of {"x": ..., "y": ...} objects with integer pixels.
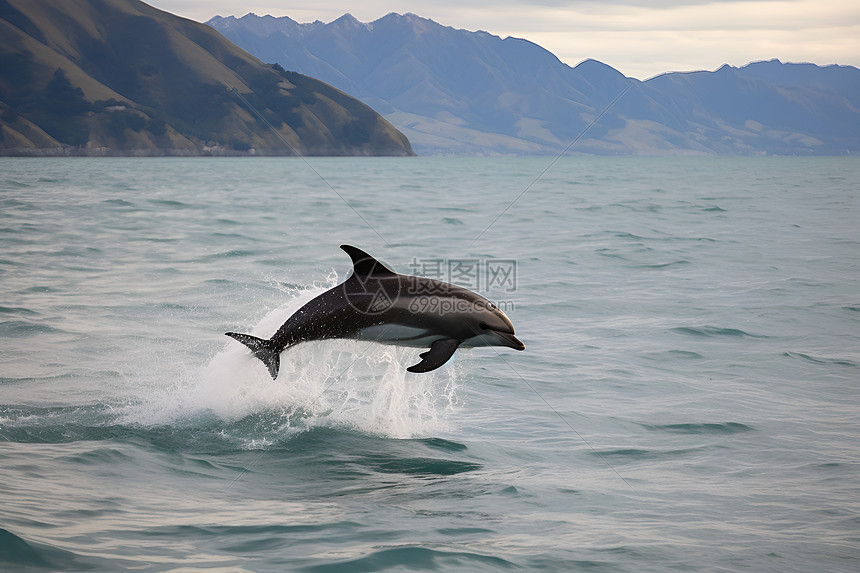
[{"x": 688, "y": 400}]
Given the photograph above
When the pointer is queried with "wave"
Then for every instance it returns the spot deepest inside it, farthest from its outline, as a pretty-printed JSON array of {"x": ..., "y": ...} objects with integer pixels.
[
  {"x": 219, "y": 450},
  {"x": 682, "y": 354},
  {"x": 370, "y": 455},
  {"x": 662, "y": 266},
  {"x": 412, "y": 557},
  {"x": 701, "y": 428},
  {"x": 822, "y": 360},
  {"x": 444, "y": 445},
  {"x": 424, "y": 466},
  {"x": 643, "y": 453},
  {"x": 16, "y": 185},
  {"x": 88, "y": 423},
  {"x": 17, "y": 310},
  {"x": 170, "y": 203},
  {"x": 714, "y": 331},
  {"x": 235, "y": 236},
  {"x": 119, "y": 202},
  {"x": 16, "y": 554},
  {"x": 664, "y": 238},
  {"x": 16, "y": 328},
  {"x": 77, "y": 252},
  {"x": 231, "y": 254}
]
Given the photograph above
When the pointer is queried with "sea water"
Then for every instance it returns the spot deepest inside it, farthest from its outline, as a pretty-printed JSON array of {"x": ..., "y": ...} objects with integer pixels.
[{"x": 687, "y": 400}]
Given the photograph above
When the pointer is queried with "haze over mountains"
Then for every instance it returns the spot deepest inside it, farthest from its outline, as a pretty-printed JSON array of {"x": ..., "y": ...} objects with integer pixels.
[
  {"x": 119, "y": 77},
  {"x": 459, "y": 92}
]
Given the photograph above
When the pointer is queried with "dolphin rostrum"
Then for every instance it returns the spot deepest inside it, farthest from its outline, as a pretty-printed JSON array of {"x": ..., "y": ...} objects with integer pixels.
[{"x": 380, "y": 305}]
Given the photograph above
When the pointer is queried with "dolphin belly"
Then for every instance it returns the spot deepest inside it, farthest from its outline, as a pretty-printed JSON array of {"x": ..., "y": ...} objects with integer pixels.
[{"x": 399, "y": 334}]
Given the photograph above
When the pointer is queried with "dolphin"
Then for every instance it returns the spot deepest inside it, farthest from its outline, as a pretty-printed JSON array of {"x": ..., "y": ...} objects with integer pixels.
[{"x": 377, "y": 304}]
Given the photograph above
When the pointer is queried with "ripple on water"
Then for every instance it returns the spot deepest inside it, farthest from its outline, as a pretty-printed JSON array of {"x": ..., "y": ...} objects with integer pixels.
[{"x": 416, "y": 558}]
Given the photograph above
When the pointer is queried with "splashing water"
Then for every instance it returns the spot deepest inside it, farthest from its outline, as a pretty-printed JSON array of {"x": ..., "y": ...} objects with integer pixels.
[{"x": 352, "y": 384}]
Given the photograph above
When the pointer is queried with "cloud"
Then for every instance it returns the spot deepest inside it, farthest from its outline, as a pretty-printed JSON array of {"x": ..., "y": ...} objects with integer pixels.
[{"x": 642, "y": 41}]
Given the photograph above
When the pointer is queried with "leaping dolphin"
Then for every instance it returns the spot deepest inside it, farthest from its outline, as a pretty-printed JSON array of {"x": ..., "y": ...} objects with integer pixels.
[{"x": 375, "y": 303}]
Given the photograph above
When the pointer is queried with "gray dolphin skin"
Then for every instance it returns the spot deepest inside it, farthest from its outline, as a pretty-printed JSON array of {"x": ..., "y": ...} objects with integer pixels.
[{"x": 380, "y": 305}]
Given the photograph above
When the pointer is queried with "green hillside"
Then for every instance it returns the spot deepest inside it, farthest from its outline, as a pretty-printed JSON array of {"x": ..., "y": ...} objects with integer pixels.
[{"x": 119, "y": 77}]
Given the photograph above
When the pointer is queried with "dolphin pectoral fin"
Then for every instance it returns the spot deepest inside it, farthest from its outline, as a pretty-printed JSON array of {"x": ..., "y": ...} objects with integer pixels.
[
  {"x": 440, "y": 352},
  {"x": 262, "y": 349}
]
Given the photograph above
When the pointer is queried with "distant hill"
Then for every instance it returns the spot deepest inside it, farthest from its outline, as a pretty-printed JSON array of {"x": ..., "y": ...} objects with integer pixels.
[
  {"x": 118, "y": 77},
  {"x": 459, "y": 92}
]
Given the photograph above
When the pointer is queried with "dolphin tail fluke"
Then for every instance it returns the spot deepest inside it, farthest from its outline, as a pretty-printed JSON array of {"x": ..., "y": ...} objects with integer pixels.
[{"x": 262, "y": 349}]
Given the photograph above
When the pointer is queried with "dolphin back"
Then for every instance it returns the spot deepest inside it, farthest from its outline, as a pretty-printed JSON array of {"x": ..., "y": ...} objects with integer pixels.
[{"x": 262, "y": 349}]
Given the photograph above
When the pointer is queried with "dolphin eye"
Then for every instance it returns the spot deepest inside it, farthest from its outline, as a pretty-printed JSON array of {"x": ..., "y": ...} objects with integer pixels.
[{"x": 483, "y": 326}]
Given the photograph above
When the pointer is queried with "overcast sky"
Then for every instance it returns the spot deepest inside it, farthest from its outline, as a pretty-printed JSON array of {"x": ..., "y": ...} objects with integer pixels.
[{"x": 641, "y": 38}]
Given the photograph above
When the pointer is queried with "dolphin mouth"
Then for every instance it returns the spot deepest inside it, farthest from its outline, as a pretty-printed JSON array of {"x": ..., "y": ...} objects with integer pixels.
[{"x": 510, "y": 340}]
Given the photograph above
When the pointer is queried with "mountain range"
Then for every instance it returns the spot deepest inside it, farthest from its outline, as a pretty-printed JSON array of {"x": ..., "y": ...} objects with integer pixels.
[
  {"x": 454, "y": 91},
  {"x": 119, "y": 77}
]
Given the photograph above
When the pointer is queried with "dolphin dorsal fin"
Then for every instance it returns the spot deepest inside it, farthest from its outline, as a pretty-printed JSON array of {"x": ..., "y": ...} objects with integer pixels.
[{"x": 364, "y": 265}]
